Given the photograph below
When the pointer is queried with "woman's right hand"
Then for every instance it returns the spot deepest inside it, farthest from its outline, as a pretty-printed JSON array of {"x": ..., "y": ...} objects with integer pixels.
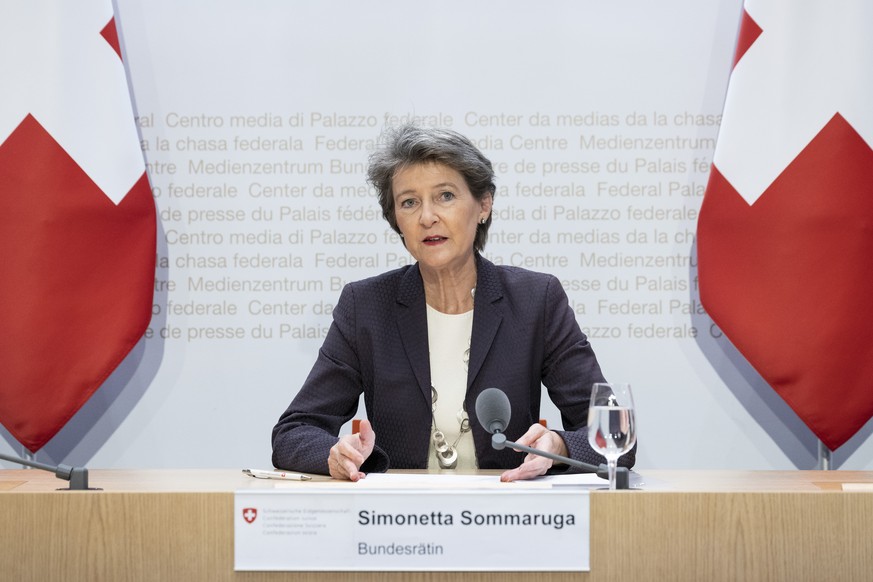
[{"x": 350, "y": 452}]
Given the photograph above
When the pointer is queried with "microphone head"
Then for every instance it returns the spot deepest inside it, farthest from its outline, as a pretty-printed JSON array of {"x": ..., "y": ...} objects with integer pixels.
[{"x": 493, "y": 410}]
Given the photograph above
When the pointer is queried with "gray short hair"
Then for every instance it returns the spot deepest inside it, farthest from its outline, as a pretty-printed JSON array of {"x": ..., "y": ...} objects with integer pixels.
[{"x": 407, "y": 145}]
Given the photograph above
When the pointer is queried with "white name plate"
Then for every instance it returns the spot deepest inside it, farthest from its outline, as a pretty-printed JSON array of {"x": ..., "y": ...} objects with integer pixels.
[{"x": 412, "y": 530}]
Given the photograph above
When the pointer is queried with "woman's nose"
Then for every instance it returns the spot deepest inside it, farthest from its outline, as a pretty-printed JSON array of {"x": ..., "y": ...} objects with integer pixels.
[{"x": 428, "y": 215}]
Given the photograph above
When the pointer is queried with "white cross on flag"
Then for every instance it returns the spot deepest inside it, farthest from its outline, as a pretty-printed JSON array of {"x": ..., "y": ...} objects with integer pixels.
[
  {"x": 785, "y": 234},
  {"x": 77, "y": 218}
]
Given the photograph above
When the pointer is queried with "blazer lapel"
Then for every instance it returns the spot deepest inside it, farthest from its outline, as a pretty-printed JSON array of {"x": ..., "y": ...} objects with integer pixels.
[
  {"x": 487, "y": 315},
  {"x": 412, "y": 324}
]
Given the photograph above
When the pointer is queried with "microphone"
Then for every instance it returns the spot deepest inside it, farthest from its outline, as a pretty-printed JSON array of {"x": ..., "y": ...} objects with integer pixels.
[
  {"x": 494, "y": 411},
  {"x": 77, "y": 476}
]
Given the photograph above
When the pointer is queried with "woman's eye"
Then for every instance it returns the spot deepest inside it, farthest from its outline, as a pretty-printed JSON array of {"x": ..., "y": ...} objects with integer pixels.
[
  {"x": 447, "y": 196},
  {"x": 408, "y": 203}
]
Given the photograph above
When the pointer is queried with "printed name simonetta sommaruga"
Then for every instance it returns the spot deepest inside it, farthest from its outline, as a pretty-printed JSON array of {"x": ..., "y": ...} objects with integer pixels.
[{"x": 437, "y": 518}]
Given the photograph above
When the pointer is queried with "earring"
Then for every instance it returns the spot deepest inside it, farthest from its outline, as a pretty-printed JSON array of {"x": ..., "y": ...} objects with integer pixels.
[
  {"x": 483, "y": 221},
  {"x": 401, "y": 235}
]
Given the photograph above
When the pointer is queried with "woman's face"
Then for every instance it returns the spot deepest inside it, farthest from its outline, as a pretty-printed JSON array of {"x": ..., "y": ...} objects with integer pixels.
[{"x": 437, "y": 214}]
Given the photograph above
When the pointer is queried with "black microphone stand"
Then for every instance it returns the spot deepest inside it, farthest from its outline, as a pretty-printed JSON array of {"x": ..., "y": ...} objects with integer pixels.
[
  {"x": 622, "y": 475},
  {"x": 77, "y": 476}
]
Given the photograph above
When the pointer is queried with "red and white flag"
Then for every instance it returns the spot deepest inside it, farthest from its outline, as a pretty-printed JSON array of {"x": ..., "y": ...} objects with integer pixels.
[
  {"x": 77, "y": 218},
  {"x": 785, "y": 234}
]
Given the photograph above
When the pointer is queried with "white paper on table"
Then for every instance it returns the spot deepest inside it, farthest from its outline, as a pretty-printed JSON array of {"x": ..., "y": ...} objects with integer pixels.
[
  {"x": 453, "y": 481},
  {"x": 857, "y": 486}
]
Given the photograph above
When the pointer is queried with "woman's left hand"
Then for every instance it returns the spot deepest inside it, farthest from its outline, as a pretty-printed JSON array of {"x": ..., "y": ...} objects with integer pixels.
[{"x": 537, "y": 437}]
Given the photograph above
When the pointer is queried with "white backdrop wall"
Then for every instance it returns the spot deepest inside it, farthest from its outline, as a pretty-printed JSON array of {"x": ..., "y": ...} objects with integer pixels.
[{"x": 256, "y": 120}]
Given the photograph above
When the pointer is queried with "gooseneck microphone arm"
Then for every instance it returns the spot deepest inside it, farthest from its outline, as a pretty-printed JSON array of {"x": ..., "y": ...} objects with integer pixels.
[
  {"x": 493, "y": 410},
  {"x": 622, "y": 475},
  {"x": 77, "y": 476}
]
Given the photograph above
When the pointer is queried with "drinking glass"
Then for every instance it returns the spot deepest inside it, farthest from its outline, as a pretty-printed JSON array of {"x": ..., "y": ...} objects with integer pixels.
[{"x": 611, "y": 427}]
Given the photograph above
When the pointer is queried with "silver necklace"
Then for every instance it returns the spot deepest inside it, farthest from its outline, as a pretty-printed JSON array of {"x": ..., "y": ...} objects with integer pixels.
[{"x": 447, "y": 454}]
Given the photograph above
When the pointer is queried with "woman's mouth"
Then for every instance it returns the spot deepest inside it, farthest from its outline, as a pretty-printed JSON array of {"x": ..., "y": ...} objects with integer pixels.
[{"x": 434, "y": 240}]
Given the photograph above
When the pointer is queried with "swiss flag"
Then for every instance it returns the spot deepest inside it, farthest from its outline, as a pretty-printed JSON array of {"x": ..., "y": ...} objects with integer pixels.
[
  {"x": 77, "y": 218},
  {"x": 785, "y": 234}
]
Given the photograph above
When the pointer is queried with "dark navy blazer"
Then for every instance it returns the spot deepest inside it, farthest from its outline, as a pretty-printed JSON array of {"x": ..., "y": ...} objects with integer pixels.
[{"x": 524, "y": 335}]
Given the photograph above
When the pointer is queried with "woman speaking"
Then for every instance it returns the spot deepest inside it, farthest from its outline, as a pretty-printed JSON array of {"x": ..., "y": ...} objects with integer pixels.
[{"x": 423, "y": 341}]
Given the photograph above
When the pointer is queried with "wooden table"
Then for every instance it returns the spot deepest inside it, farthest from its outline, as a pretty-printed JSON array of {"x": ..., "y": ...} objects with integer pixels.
[{"x": 682, "y": 525}]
